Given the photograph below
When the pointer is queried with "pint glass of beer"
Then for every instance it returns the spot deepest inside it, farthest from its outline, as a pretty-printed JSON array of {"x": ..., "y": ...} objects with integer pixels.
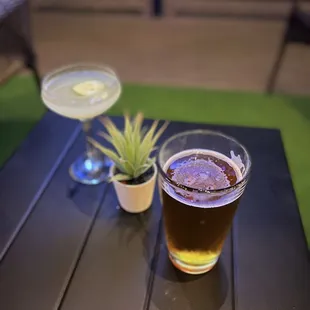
[{"x": 202, "y": 175}]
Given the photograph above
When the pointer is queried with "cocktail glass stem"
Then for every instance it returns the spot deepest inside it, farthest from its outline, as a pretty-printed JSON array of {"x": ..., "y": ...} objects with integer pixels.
[
  {"x": 90, "y": 168},
  {"x": 88, "y": 132}
]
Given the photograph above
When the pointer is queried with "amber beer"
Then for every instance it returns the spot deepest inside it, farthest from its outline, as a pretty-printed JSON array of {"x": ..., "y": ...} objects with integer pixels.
[{"x": 199, "y": 202}]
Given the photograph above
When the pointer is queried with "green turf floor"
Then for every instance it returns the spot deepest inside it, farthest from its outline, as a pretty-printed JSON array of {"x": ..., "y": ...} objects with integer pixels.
[{"x": 20, "y": 108}]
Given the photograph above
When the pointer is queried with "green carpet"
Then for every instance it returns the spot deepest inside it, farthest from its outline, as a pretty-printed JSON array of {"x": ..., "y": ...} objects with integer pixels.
[{"x": 20, "y": 108}]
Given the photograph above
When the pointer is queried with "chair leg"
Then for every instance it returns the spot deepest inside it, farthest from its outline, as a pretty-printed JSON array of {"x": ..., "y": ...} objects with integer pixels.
[
  {"x": 289, "y": 36},
  {"x": 30, "y": 58},
  {"x": 276, "y": 67},
  {"x": 31, "y": 64}
]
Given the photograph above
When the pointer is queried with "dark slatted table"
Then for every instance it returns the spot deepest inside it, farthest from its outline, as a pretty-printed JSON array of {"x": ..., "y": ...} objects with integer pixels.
[{"x": 82, "y": 252}]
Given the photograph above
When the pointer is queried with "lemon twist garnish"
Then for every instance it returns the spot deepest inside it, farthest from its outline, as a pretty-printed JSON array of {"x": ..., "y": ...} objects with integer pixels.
[{"x": 88, "y": 88}]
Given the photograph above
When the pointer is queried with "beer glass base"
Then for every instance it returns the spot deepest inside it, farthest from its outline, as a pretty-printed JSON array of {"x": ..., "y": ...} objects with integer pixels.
[{"x": 192, "y": 269}]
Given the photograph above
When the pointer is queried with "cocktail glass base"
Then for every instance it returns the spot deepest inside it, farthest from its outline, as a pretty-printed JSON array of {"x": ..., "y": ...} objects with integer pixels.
[
  {"x": 90, "y": 170},
  {"x": 192, "y": 269}
]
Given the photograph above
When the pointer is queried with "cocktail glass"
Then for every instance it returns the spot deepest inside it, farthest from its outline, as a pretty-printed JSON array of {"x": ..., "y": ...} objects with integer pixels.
[{"x": 83, "y": 92}]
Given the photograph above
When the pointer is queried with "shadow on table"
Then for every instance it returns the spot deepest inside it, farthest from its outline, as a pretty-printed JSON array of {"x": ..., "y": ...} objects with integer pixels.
[
  {"x": 131, "y": 226},
  {"x": 173, "y": 289},
  {"x": 128, "y": 229},
  {"x": 77, "y": 193}
]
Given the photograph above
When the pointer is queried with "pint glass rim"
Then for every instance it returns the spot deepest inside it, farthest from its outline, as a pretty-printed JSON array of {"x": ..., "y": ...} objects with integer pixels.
[{"x": 202, "y": 191}]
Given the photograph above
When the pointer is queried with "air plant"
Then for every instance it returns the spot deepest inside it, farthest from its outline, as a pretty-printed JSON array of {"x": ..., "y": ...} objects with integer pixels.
[{"x": 132, "y": 147}]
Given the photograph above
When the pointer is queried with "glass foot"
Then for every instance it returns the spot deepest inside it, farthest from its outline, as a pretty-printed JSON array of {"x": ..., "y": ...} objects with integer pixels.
[{"x": 90, "y": 170}]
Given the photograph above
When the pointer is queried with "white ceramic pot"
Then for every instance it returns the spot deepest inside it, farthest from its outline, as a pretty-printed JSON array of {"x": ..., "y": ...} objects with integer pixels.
[{"x": 135, "y": 198}]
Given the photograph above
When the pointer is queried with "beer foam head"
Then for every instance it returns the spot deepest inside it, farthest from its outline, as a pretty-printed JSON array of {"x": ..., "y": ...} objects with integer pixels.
[
  {"x": 200, "y": 174},
  {"x": 203, "y": 174}
]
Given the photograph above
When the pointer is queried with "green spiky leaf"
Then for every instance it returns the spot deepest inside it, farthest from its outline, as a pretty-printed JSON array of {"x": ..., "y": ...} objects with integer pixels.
[
  {"x": 132, "y": 146},
  {"x": 120, "y": 177}
]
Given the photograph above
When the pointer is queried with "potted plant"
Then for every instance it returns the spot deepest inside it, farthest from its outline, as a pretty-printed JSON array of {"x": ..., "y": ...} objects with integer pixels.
[{"x": 134, "y": 171}]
